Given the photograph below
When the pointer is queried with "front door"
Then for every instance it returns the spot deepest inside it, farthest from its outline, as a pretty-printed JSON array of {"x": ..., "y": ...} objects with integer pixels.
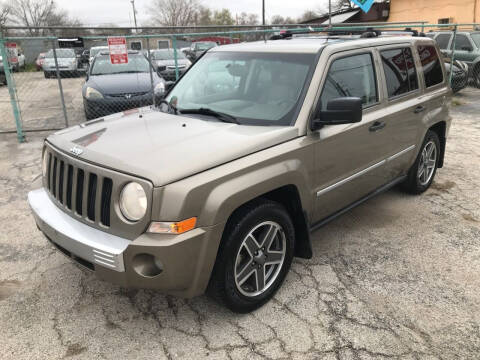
[{"x": 349, "y": 158}]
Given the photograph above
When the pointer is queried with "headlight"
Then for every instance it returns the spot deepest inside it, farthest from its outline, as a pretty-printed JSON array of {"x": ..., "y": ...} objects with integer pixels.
[
  {"x": 92, "y": 93},
  {"x": 159, "y": 89},
  {"x": 133, "y": 201},
  {"x": 44, "y": 163}
]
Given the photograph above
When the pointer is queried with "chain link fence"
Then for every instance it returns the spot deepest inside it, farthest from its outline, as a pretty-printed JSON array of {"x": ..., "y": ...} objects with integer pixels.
[{"x": 52, "y": 82}]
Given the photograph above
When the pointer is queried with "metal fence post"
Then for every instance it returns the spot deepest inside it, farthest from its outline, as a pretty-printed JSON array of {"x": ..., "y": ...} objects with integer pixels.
[
  {"x": 59, "y": 81},
  {"x": 12, "y": 91},
  {"x": 452, "y": 58},
  {"x": 175, "y": 56},
  {"x": 150, "y": 67}
]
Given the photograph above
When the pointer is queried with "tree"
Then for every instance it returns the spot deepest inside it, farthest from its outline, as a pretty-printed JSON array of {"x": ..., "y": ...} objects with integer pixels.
[
  {"x": 4, "y": 15},
  {"x": 341, "y": 4},
  {"x": 222, "y": 17},
  {"x": 280, "y": 20},
  {"x": 203, "y": 16},
  {"x": 307, "y": 15},
  {"x": 38, "y": 13},
  {"x": 174, "y": 12},
  {"x": 247, "y": 19}
]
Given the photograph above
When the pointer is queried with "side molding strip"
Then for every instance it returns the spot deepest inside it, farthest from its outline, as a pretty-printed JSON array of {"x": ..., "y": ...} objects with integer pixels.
[
  {"x": 364, "y": 171},
  {"x": 350, "y": 178}
]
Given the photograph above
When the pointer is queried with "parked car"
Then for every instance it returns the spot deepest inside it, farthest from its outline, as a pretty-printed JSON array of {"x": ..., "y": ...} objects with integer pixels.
[
  {"x": 66, "y": 60},
  {"x": 17, "y": 60},
  {"x": 198, "y": 48},
  {"x": 3, "y": 79},
  {"x": 467, "y": 49},
  {"x": 111, "y": 88},
  {"x": 460, "y": 74},
  {"x": 95, "y": 50},
  {"x": 257, "y": 145},
  {"x": 85, "y": 58},
  {"x": 39, "y": 61},
  {"x": 164, "y": 62}
]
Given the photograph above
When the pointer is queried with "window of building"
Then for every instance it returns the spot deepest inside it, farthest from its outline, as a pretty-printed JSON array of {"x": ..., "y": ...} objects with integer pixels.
[
  {"x": 431, "y": 67},
  {"x": 444, "y": 21},
  {"x": 443, "y": 40},
  {"x": 163, "y": 44},
  {"x": 400, "y": 72},
  {"x": 462, "y": 42},
  {"x": 136, "y": 45},
  {"x": 351, "y": 76}
]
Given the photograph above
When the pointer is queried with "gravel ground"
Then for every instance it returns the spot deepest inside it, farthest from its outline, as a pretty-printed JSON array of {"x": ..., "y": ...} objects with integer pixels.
[{"x": 395, "y": 278}]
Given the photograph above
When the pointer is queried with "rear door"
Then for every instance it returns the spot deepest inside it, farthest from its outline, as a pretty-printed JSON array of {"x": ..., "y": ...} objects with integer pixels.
[
  {"x": 349, "y": 158},
  {"x": 405, "y": 106}
]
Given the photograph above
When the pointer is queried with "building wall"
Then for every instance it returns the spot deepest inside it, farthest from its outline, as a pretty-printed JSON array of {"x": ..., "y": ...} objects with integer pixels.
[{"x": 462, "y": 11}]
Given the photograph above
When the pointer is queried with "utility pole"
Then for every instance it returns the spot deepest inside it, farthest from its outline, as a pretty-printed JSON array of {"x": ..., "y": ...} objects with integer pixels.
[
  {"x": 329, "y": 13},
  {"x": 263, "y": 12},
  {"x": 134, "y": 15}
]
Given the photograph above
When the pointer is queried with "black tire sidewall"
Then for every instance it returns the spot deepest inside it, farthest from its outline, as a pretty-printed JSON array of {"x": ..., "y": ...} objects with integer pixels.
[{"x": 265, "y": 212}]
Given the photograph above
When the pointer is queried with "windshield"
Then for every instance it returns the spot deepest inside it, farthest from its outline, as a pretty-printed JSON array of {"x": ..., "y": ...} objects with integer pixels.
[
  {"x": 166, "y": 55},
  {"x": 95, "y": 51},
  {"x": 205, "y": 46},
  {"x": 61, "y": 53},
  {"x": 476, "y": 38},
  {"x": 103, "y": 66},
  {"x": 256, "y": 88}
]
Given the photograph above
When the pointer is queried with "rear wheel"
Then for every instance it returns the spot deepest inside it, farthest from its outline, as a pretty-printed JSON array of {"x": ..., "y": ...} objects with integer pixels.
[
  {"x": 254, "y": 257},
  {"x": 476, "y": 76},
  {"x": 422, "y": 172}
]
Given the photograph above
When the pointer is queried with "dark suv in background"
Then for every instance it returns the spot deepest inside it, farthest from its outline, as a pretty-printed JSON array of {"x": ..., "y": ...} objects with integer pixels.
[{"x": 467, "y": 49}]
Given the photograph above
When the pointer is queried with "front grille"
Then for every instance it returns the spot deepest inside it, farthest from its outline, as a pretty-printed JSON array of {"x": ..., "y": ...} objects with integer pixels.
[
  {"x": 87, "y": 193},
  {"x": 128, "y": 95}
]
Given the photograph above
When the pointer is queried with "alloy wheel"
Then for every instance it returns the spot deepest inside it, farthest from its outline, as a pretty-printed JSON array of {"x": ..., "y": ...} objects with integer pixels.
[
  {"x": 428, "y": 161},
  {"x": 260, "y": 259}
]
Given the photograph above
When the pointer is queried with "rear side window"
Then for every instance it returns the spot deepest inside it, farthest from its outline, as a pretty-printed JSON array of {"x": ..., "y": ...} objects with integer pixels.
[
  {"x": 443, "y": 40},
  {"x": 400, "y": 72},
  {"x": 462, "y": 42},
  {"x": 431, "y": 67},
  {"x": 351, "y": 76}
]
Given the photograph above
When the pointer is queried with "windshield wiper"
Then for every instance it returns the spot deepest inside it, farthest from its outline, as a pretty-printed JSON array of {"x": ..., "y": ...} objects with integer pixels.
[{"x": 209, "y": 112}]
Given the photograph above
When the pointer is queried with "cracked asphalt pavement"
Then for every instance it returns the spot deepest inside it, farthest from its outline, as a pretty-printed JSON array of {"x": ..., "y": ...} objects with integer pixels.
[{"x": 397, "y": 277}]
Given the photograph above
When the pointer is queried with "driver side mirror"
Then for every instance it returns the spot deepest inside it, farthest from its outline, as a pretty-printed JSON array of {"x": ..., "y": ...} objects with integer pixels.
[{"x": 345, "y": 110}]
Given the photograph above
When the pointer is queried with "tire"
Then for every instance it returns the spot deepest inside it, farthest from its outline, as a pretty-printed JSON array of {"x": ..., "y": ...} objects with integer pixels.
[
  {"x": 421, "y": 174},
  {"x": 46, "y": 75},
  {"x": 476, "y": 76},
  {"x": 234, "y": 259}
]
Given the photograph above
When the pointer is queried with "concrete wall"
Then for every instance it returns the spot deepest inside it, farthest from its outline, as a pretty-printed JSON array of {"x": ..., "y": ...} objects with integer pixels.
[{"x": 462, "y": 11}]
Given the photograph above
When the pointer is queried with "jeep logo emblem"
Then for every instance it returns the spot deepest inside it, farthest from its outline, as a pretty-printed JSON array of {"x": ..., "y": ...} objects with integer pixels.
[{"x": 76, "y": 151}]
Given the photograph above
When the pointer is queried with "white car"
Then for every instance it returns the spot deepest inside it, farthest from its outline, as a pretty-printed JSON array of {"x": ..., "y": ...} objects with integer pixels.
[
  {"x": 67, "y": 63},
  {"x": 95, "y": 50}
]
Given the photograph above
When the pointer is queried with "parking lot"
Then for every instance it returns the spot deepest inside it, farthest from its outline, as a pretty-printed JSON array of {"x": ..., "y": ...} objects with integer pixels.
[
  {"x": 395, "y": 278},
  {"x": 39, "y": 101}
]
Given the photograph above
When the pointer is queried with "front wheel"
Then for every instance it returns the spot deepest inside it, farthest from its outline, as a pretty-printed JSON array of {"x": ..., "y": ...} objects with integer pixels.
[
  {"x": 422, "y": 172},
  {"x": 254, "y": 257}
]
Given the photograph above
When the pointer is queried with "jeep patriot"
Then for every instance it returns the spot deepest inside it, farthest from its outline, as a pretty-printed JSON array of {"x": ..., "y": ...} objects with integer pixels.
[{"x": 218, "y": 187}]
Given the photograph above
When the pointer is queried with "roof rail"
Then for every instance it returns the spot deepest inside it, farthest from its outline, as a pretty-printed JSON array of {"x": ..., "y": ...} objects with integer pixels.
[{"x": 368, "y": 32}]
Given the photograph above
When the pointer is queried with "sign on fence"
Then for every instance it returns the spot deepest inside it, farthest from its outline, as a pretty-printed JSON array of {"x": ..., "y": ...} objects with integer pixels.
[{"x": 118, "y": 50}]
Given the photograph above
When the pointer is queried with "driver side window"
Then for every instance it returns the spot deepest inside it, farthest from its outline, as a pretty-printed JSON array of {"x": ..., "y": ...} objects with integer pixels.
[{"x": 351, "y": 76}]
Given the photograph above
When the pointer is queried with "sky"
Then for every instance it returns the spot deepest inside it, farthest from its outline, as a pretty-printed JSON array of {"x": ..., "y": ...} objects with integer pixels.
[{"x": 97, "y": 12}]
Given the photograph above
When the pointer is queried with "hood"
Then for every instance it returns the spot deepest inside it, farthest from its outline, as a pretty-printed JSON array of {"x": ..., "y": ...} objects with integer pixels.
[
  {"x": 165, "y": 148},
  {"x": 122, "y": 83}
]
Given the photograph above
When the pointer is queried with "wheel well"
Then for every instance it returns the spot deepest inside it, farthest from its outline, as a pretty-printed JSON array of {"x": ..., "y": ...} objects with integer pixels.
[
  {"x": 289, "y": 197},
  {"x": 441, "y": 128}
]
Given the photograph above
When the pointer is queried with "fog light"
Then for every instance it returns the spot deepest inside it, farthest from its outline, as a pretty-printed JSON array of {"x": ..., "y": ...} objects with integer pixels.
[{"x": 147, "y": 265}]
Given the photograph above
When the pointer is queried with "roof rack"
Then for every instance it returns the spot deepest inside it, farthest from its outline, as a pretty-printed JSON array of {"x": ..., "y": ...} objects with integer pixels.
[{"x": 369, "y": 32}]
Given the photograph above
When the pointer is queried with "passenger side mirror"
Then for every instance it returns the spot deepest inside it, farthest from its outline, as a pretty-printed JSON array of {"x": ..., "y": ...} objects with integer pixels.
[{"x": 345, "y": 110}]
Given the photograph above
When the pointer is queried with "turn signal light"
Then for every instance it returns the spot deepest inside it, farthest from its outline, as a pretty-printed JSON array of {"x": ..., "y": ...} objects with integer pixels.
[{"x": 172, "y": 227}]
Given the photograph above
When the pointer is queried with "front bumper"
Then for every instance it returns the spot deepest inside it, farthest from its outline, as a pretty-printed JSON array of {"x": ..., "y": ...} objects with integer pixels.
[{"x": 186, "y": 260}]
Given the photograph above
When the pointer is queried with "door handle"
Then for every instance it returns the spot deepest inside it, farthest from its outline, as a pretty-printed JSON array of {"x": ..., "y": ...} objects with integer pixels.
[
  {"x": 377, "y": 125},
  {"x": 419, "y": 109}
]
